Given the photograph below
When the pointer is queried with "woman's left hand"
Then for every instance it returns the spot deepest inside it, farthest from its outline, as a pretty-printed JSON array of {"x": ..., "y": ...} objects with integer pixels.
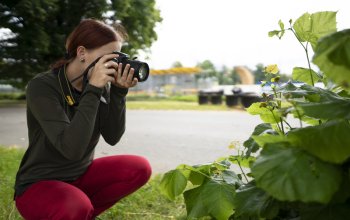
[{"x": 124, "y": 79}]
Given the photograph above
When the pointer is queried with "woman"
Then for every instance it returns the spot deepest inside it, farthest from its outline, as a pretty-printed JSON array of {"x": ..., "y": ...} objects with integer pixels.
[{"x": 58, "y": 178}]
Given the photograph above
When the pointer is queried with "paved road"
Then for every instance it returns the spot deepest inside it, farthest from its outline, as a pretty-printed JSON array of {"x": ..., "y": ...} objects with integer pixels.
[{"x": 166, "y": 138}]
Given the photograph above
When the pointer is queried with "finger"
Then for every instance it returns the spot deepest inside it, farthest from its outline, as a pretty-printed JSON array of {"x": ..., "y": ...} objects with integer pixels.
[
  {"x": 111, "y": 72},
  {"x": 107, "y": 57},
  {"x": 130, "y": 75},
  {"x": 125, "y": 72},
  {"x": 134, "y": 82},
  {"x": 120, "y": 68},
  {"x": 111, "y": 64}
]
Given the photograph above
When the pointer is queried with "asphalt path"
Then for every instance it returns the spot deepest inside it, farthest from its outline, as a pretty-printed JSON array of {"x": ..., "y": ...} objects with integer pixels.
[{"x": 166, "y": 138}]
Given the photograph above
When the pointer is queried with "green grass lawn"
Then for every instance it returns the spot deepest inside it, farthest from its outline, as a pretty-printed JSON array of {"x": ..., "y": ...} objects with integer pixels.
[
  {"x": 160, "y": 104},
  {"x": 146, "y": 204},
  {"x": 174, "y": 105}
]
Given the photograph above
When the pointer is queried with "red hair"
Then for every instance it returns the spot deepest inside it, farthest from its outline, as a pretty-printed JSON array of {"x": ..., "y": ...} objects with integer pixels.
[{"x": 91, "y": 34}]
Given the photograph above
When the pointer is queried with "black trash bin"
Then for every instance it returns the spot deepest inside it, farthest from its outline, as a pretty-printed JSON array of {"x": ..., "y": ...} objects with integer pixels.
[
  {"x": 247, "y": 99},
  {"x": 203, "y": 97},
  {"x": 216, "y": 97},
  {"x": 234, "y": 98}
]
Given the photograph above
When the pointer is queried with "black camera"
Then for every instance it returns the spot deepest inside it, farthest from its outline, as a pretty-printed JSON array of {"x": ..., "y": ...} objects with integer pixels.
[{"x": 141, "y": 69}]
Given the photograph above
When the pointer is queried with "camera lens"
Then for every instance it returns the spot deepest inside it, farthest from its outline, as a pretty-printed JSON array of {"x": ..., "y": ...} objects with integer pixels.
[{"x": 143, "y": 72}]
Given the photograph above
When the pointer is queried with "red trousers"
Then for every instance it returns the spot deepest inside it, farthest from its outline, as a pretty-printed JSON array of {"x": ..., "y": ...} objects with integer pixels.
[{"x": 105, "y": 182}]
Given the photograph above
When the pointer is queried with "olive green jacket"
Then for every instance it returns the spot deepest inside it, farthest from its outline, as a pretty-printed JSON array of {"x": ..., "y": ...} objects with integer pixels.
[{"x": 62, "y": 138}]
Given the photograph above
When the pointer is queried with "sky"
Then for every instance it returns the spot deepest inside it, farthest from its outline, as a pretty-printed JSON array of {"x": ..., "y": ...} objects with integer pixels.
[{"x": 233, "y": 33}]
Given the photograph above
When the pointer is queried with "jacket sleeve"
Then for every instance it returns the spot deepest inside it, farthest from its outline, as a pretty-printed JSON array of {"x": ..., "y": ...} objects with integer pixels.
[
  {"x": 69, "y": 137},
  {"x": 112, "y": 116}
]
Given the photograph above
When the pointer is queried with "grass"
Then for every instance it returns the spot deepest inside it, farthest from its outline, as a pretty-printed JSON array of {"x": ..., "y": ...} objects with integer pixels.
[
  {"x": 174, "y": 105},
  {"x": 12, "y": 103},
  {"x": 146, "y": 204},
  {"x": 9, "y": 162}
]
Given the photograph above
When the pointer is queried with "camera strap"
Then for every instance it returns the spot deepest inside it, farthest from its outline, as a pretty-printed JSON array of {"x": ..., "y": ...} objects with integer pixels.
[
  {"x": 67, "y": 90},
  {"x": 66, "y": 87}
]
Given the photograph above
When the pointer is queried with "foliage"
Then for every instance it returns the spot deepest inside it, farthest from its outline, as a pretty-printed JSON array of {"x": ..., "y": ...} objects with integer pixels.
[
  {"x": 38, "y": 30},
  {"x": 297, "y": 171}
]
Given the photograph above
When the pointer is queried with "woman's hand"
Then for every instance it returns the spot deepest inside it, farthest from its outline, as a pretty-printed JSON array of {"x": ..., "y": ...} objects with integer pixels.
[
  {"x": 104, "y": 71},
  {"x": 124, "y": 79}
]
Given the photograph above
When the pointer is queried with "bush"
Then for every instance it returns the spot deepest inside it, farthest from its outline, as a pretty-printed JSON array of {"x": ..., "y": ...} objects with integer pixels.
[{"x": 292, "y": 171}]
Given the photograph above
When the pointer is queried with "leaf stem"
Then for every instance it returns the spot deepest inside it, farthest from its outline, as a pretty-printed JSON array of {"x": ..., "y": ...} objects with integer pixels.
[
  {"x": 282, "y": 125},
  {"x": 239, "y": 164},
  {"x": 307, "y": 54},
  {"x": 285, "y": 121},
  {"x": 197, "y": 171}
]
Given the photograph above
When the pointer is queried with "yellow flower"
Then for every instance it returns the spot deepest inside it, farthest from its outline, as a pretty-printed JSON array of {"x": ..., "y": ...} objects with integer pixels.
[{"x": 272, "y": 69}]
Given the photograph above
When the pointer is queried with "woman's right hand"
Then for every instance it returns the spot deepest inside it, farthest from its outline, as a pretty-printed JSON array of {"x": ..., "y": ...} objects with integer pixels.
[{"x": 101, "y": 74}]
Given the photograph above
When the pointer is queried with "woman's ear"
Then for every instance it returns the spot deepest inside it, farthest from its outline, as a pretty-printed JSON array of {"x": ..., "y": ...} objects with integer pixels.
[{"x": 81, "y": 52}]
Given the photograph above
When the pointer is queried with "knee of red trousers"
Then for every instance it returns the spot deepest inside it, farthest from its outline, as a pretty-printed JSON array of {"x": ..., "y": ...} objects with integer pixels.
[
  {"x": 144, "y": 170},
  {"x": 83, "y": 210}
]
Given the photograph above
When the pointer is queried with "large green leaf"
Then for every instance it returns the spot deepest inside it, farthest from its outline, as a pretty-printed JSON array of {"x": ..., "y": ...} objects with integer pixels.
[
  {"x": 329, "y": 141},
  {"x": 303, "y": 75},
  {"x": 173, "y": 183},
  {"x": 291, "y": 174},
  {"x": 331, "y": 109},
  {"x": 311, "y": 27},
  {"x": 310, "y": 93},
  {"x": 212, "y": 198},
  {"x": 254, "y": 202},
  {"x": 195, "y": 203},
  {"x": 267, "y": 115},
  {"x": 327, "y": 212},
  {"x": 333, "y": 57}
]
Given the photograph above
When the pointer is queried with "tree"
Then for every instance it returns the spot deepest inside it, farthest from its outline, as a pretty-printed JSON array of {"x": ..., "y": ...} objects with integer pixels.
[
  {"x": 177, "y": 64},
  {"x": 208, "y": 68},
  {"x": 39, "y": 29}
]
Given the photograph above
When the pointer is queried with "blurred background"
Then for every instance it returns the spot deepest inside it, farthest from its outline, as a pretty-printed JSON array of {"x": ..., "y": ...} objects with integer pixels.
[{"x": 189, "y": 45}]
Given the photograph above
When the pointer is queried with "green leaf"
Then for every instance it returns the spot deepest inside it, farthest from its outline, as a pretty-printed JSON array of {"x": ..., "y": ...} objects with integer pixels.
[
  {"x": 303, "y": 75},
  {"x": 195, "y": 174},
  {"x": 254, "y": 202},
  {"x": 273, "y": 33},
  {"x": 310, "y": 93},
  {"x": 326, "y": 212},
  {"x": 195, "y": 203},
  {"x": 280, "y": 23},
  {"x": 291, "y": 174},
  {"x": 173, "y": 184},
  {"x": 329, "y": 141},
  {"x": 302, "y": 27},
  {"x": 212, "y": 198},
  {"x": 250, "y": 144},
  {"x": 268, "y": 116},
  {"x": 312, "y": 27},
  {"x": 231, "y": 178},
  {"x": 264, "y": 139},
  {"x": 243, "y": 161},
  {"x": 333, "y": 57},
  {"x": 334, "y": 109}
]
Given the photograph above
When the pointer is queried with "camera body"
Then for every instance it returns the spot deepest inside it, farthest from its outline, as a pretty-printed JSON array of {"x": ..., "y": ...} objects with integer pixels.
[{"x": 141, "y": 69}]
